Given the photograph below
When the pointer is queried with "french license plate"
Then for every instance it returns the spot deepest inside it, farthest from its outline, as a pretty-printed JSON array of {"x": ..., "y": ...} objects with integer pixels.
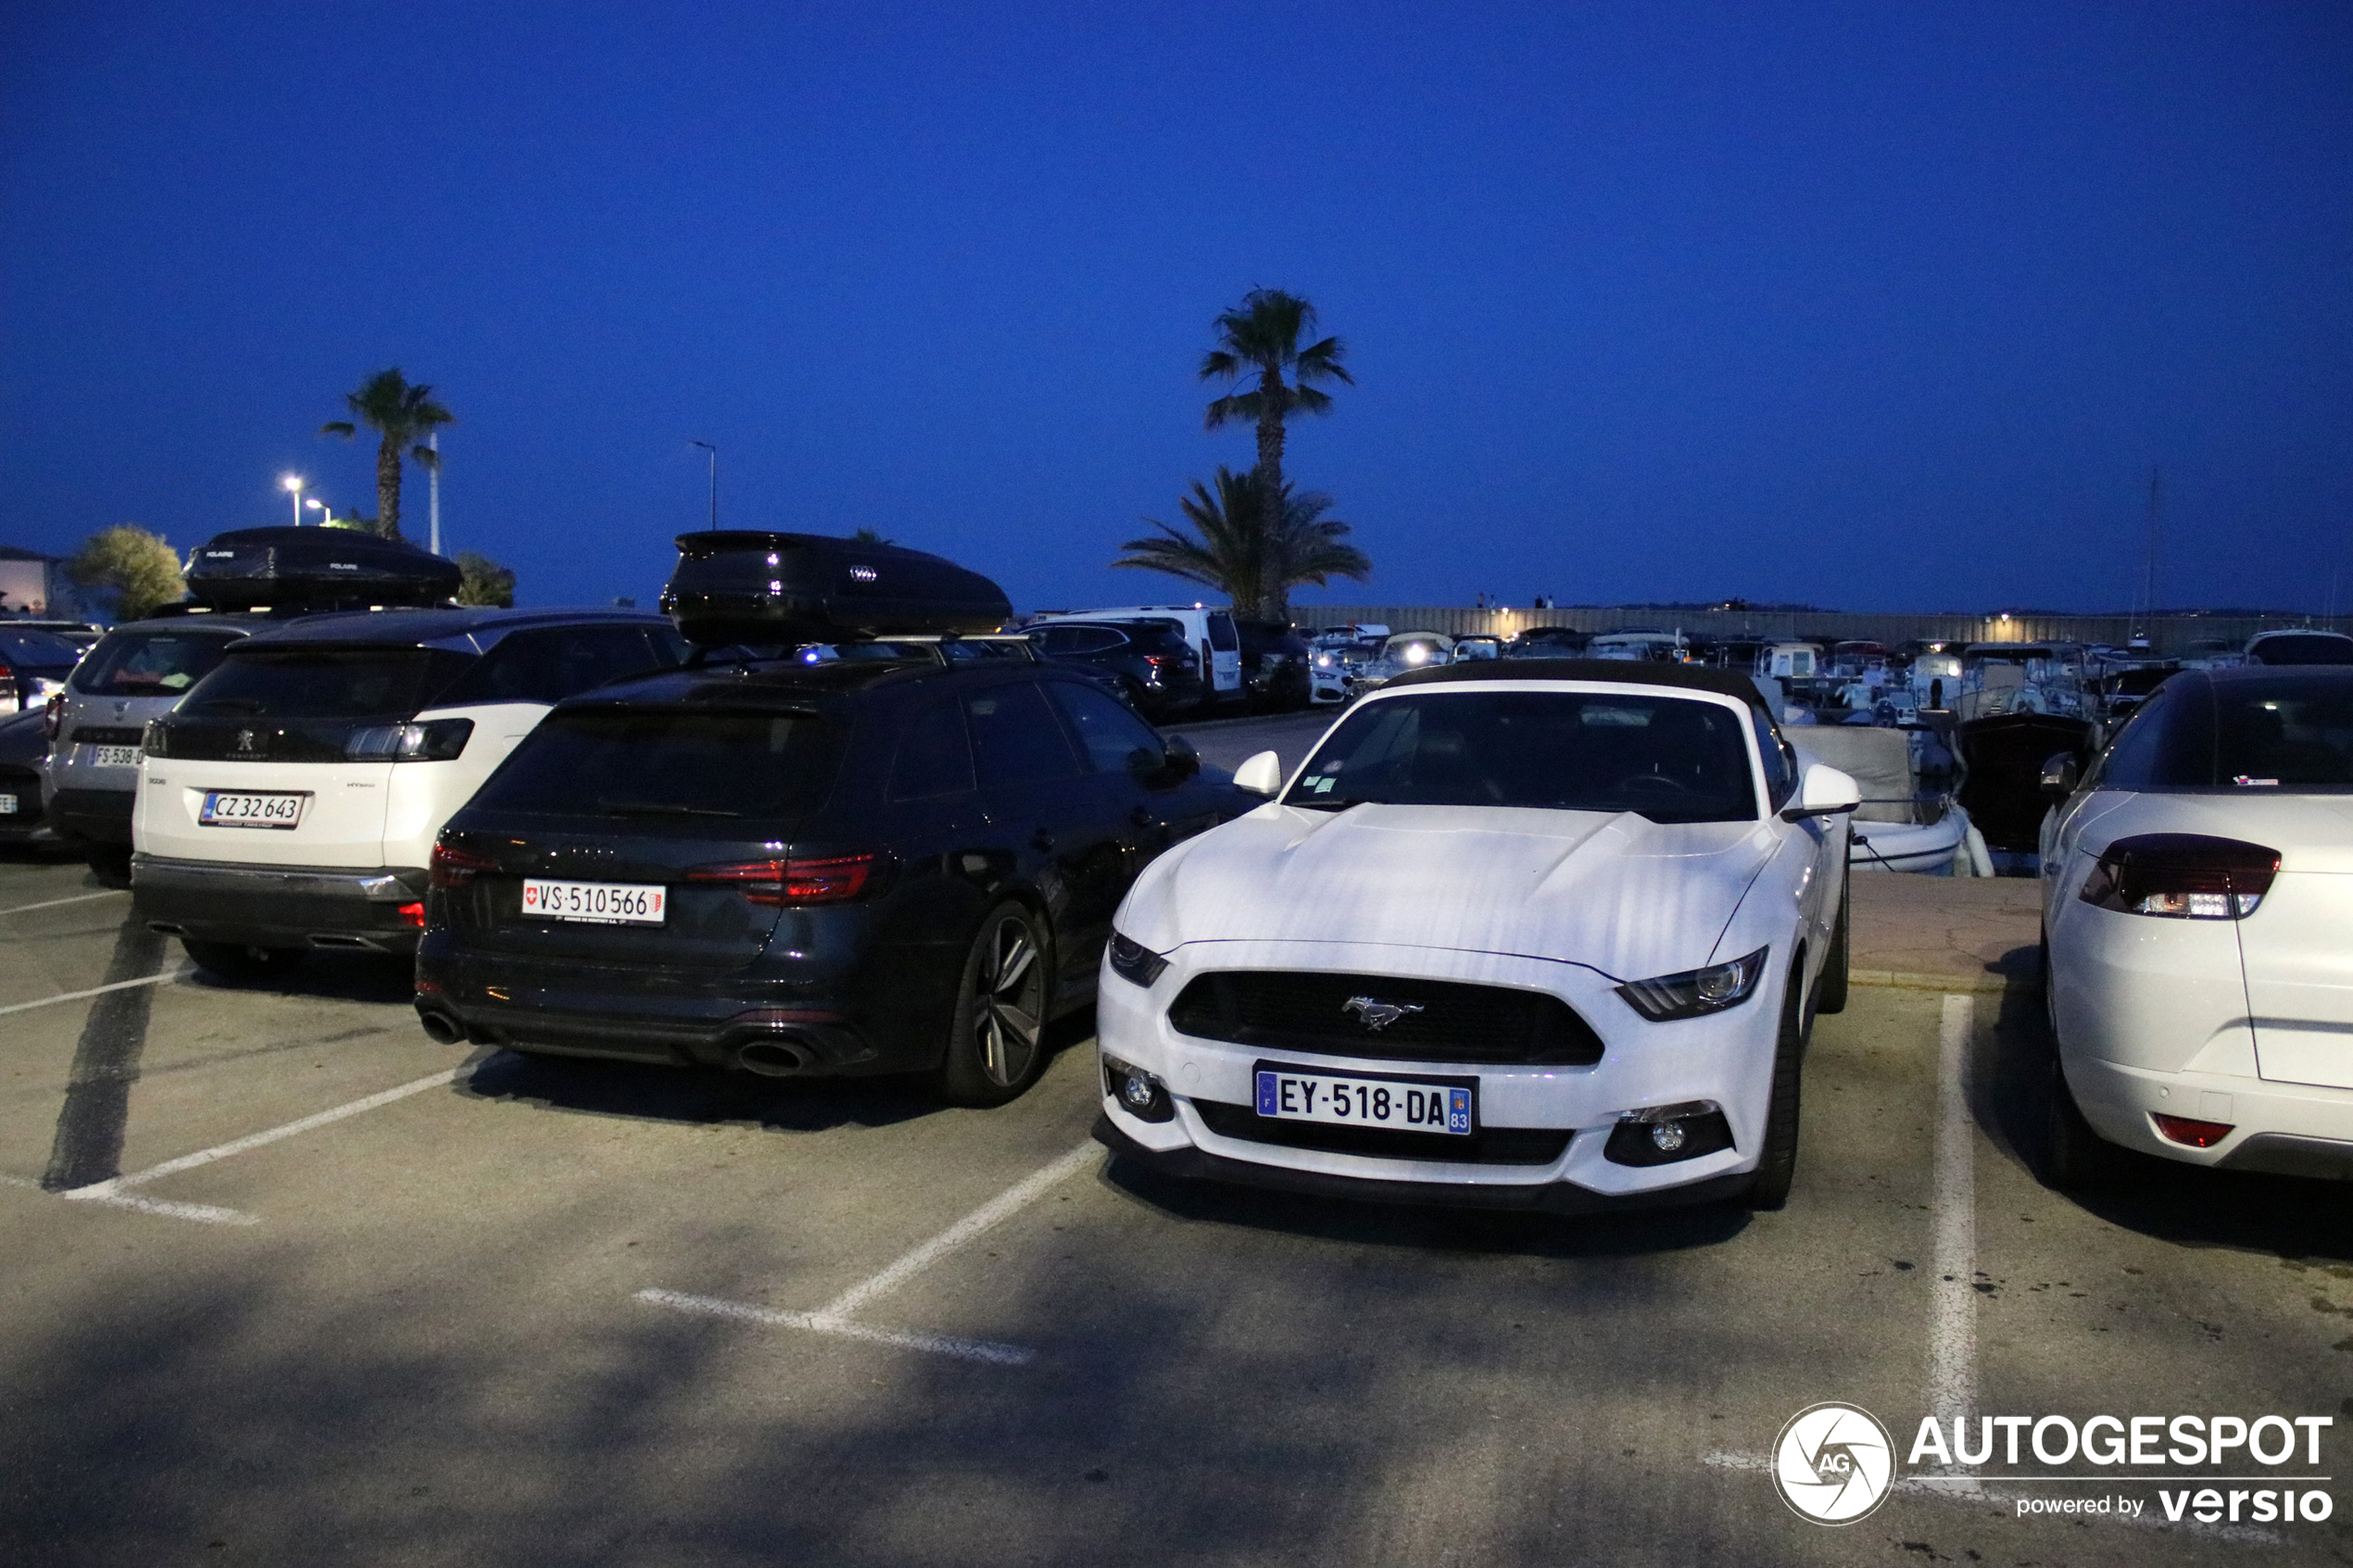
[
  {"x": 1405, "y": 1105},
  {"x": 238, "y": 809},
  {"x": 597, "y": 903},
  {"x": 111, "y": 756},
  {"x": 7, "y": 805}
]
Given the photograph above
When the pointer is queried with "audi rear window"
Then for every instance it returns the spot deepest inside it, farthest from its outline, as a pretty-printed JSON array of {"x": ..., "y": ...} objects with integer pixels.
[
  {"x": 1670, "y": 759},
  {"x": 148, "y": 663},
  {"x": 300, "y": 683},
  {"x": 669, "y": 763}
]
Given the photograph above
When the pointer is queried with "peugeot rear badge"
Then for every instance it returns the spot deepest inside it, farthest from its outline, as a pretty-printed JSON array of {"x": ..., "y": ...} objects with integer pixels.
[
  {"x": 245, "y": 740},
  {"x": 1379, "y": 1015}
]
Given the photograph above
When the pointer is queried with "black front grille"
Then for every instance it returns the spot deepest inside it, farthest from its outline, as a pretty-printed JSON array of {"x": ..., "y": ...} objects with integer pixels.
[
  {"x": 1489, "y": 1145},
  {"x": 1309, "y": 1010},
  {"x": 96, "y": 734}
]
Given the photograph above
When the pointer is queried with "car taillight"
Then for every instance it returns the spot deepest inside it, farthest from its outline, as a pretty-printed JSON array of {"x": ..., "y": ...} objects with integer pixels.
[
  {"x": 2182, "y": 876},
  {"x": 155, "y": 740},
  {"x": 456, "y": 868},
  {"x": 51, "y": 720},
  {"x": 834, "y": 880}
]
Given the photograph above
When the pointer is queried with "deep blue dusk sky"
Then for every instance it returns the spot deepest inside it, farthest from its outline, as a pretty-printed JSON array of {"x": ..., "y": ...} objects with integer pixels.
[{"x": 1872, "y": 305}]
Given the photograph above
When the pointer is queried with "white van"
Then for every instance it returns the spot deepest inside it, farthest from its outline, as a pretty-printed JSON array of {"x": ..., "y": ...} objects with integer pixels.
[
  {"x": 291, "y": 798},
  {"x": 1210, "y": 628}
]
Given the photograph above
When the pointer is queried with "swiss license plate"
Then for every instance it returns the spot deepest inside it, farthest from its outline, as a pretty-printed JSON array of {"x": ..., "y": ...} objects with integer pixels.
[
  {"x": 240, "y": 809},
  {"x": 597, "y": 903},
  {"x": 111, "y": 756},
  {"x": 1406, "y": 1105}
]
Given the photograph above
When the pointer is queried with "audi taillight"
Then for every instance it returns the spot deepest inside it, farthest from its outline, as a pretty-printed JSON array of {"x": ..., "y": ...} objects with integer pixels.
[
  {"x": 2182, "y": 876},
  {"x": 831, "y": 879},
  {"x": 456, "y": 868}
]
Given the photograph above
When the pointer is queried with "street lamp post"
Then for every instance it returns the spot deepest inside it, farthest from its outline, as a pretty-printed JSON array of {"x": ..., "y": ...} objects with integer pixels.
[
  {"x": 326, "y": 513},
  {"x": 714, "y": 479},
  {"x": 433, "y": 490},
  {"x": 292, "y": 483}
]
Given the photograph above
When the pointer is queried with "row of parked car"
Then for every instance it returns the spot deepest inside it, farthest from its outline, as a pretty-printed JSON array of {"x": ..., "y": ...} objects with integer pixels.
[{"x": 1520, "y": 932}]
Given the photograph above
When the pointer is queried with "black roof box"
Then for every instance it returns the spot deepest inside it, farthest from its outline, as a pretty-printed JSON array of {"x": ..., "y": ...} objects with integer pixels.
[
  {"x": 316, "y": 569},
  {"x": 740, "y": 586}
]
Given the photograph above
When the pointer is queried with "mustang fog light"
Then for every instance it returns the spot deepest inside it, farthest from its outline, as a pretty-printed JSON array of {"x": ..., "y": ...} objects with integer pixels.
[
  {"x": 1134, "y": 963},
  {"x": 1696, "y": 992},
  {"x": 1138, "y": 1093},
  {"x": 1665, "y": 1134}
]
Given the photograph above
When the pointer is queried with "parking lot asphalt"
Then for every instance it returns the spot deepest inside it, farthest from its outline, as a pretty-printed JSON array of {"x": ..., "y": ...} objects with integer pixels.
[{"x": 289, "y": 1284}]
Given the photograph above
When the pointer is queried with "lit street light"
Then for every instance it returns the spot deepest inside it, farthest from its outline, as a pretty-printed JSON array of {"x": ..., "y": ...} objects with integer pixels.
[
  {"x": 321, "y": 507},
  {"x": 293, "y": 482}
]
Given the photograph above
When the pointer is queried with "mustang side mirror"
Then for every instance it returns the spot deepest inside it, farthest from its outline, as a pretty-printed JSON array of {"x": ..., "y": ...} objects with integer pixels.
[
  {"x": 2060, "y": 775},
  {"x": 1263, "y": 774},
  {"x": 1822, "y": 791}
]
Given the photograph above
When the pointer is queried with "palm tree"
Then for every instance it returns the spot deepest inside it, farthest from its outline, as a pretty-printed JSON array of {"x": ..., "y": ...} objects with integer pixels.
[
  {"x": 1253, "y": 565},
  {"x": 1260, "y": 339},
  {"x": 403, "y": 415}
]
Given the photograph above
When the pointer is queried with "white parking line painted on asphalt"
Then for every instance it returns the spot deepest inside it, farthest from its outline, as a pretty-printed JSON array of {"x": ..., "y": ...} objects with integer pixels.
[
  {"x": 107, "y": 1191},
  {"x": 834, "y": 1317},
  {"x": 1022, "y": 1194},
  {"x": 99, "y": 990},
  {"x": 77, "y": 898},
  {"x": 1952, "y": 1335},
  {"x": 904, "y": 1339},
  {"x": 204, "y": 1213}
]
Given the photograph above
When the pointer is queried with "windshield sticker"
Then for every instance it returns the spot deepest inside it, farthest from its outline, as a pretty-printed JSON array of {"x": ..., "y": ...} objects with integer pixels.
[{"x": 2243, "y": 779}]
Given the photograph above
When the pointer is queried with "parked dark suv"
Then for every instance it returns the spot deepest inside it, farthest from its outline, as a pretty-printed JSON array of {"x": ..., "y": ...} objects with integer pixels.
[
  {"x": 857, "y": 866},
  {"x": 1151, "y": 659},
  {"x": 1274, "y": 665}
]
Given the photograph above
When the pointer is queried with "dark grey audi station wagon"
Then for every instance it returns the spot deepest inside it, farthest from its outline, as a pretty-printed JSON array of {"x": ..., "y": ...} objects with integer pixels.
[{"x": 888, "y": 861}]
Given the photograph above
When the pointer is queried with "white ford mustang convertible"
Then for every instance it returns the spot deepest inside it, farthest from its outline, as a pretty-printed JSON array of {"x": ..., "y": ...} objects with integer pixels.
[{"x": 1544, "y": 935}]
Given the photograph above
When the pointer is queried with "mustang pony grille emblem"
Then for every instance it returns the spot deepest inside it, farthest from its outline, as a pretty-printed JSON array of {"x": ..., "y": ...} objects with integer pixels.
[{"x": 1379, "y": 1015}]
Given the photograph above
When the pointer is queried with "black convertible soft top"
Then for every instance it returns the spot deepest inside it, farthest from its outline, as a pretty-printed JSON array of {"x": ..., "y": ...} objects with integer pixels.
[{"x": 1619, "y": 671}]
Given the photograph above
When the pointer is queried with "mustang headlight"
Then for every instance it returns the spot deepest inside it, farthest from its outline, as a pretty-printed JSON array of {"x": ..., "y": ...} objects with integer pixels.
[
  {"x": 1696, "y": 992},
  {"x": 1134, "y": 963}
]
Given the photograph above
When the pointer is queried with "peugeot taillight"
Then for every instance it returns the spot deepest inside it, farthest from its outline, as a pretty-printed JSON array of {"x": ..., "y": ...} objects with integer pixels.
[
  {"x": 456, "y": 868},
  {"x": 2182, "y": 876},
  {"x": 831, "y": 879}
]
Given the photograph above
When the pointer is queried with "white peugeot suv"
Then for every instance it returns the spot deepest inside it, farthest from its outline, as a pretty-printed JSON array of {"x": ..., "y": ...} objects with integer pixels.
[{"x": 290, "y": 799}]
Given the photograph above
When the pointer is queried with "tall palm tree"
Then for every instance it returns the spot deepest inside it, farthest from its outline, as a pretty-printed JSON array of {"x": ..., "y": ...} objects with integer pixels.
[
  {"x": 1234, "y": 550},
  {"x": 1261, "y": 339},
  {"x": 403, "y": 415}
]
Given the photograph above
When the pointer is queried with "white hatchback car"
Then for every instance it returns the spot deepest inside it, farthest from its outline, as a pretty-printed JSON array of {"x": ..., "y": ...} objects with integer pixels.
[
  {"x": 1543, "y": 934},
  {"x": 2198, "y": 888}
]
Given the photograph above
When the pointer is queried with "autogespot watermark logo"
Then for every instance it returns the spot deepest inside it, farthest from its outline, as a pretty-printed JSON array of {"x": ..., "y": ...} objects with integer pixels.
[{"x": 1834, "y": 1463}]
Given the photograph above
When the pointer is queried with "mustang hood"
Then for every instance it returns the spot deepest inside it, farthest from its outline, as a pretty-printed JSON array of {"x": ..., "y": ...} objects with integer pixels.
[{"x": 1617, "y": 893}]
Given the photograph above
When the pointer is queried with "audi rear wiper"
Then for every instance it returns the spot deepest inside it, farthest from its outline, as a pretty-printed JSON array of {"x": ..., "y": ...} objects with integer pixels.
[{"x": 659, "y": 809}]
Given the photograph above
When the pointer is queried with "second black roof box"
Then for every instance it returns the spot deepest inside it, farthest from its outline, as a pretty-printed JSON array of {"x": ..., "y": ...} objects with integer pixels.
[
  {"x": 739, "y": 586},
  {"x": 316, "y": 568}
]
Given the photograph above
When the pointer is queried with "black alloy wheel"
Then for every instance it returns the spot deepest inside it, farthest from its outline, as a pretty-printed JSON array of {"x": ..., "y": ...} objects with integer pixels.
[
  {"x": 996, "y": 1040},
  {"x": 1829, "y": 987},
  {"x": 1776, "y": 1165},
  {"x": 239, "y": 961}
]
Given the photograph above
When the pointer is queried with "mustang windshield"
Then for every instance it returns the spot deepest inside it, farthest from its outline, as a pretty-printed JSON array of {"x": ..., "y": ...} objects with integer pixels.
[{"x": 1669, "y": 758}]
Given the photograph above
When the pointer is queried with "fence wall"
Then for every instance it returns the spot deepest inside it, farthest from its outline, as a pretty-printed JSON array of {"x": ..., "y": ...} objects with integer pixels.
[{"x": 2170, "y": 635}]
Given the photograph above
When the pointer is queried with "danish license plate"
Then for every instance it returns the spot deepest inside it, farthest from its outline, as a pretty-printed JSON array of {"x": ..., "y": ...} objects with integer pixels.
[
  {"x": 597, "y": 903},
  {"x": 1405, "y": 1105},
  {"x": 111, "y": 756},
  {"x": 238, "y": 809}
]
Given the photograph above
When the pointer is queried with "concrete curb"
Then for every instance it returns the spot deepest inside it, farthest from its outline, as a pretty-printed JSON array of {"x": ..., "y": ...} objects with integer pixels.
[{"x": 1904, "y": 980}]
